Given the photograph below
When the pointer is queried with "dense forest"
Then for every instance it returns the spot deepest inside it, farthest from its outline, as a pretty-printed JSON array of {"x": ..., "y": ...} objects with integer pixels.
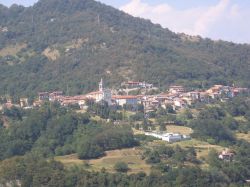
[
  {"x": 33, "y": 138},
  {"x": 53, "y": 130},
  {"x": 60, "y": 44}
]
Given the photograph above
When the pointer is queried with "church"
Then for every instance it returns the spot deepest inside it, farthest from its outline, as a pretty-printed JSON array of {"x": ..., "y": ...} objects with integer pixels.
[{"x": 103, "y": 94}]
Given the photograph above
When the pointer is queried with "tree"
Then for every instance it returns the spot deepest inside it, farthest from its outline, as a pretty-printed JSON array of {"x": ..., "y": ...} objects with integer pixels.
[
  {"x": 89, "y": 150},
  {"x": 163, "y": 127},
  {"x": 153, "y": 158},
  {"x": 170, "y": 109},
  {"x": 213, "y": 159},
  {"x": 121, "y": 167},
  {"x": 1, "y": 123}
]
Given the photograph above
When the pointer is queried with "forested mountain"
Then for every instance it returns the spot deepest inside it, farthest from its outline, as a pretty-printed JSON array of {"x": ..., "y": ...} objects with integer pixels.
[{"x": 60, "y": 44}]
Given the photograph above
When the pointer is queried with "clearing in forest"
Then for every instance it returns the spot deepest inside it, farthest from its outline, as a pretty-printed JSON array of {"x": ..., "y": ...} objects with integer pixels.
[{"x": 131, "y": 156}]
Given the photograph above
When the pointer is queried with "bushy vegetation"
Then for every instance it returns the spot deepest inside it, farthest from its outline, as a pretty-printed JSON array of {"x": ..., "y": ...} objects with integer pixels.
[
  {"x": 53, "y": 130},
  {"x": 173, "y": 155},
  {"x": 114, "y": 47},
  {"x": 217, "y": 124},
  {"x": 34, "y": 171},
  {"x": 121, "y": 167},
  {"x": 34, "y": 137}
]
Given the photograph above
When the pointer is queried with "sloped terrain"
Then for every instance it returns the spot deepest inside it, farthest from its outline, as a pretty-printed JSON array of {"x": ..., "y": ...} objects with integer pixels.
[{"x": 86, "y": 40}]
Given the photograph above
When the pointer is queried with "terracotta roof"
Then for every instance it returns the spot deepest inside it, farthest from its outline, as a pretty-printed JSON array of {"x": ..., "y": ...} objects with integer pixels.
[
  {"x": 124, "y": 97},
  {"x": 74, "y": 98},
  {"x": 94, "y": 93},
  {"x": 175, "y": 86}
]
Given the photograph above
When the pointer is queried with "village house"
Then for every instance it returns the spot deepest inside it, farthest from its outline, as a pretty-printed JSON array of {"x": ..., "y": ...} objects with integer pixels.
[
  {"x": 179, "y": 104},
  {"x": 176, "y": 89},
  {"x": 237, "y": 91},
  {"x": 55, "y": 95},
  {"x": 4, "y": 29},
  {"x": 194, "y": 96},
  {"x": 150, "y": 103},
  {"x": 137, "y": 84},
  {"x": 8, "y": 104},
  {"x": 125, "y": 100},
  {"x": 37, "y": 103},
  {"x": 42, "y": 96},
  {"x": 73, "y": 100},
  {"x": 132, "y": 84},
  {"x": 204, "y": 97},
  {"x": 24, "y": 102},
  {"x": 226, "y": 155}
]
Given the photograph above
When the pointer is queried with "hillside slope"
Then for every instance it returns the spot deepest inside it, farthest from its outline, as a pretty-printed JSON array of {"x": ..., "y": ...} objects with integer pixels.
[{"x": 60, "y": 44}]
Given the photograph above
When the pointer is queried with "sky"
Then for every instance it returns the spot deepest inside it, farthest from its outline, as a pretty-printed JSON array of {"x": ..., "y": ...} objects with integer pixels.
[{"x": 217, "y": 19}]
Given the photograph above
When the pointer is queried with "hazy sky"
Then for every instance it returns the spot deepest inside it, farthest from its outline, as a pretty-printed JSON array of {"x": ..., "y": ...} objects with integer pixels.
[{"x": 216, "y": 19}]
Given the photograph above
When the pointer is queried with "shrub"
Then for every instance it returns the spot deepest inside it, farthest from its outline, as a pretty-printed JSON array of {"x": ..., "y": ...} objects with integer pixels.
[{"x": 121, "y": 167}]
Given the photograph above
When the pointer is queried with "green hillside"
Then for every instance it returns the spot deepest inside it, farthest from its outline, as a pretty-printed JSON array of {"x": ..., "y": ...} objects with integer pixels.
[{"x": 60, "y": 44}]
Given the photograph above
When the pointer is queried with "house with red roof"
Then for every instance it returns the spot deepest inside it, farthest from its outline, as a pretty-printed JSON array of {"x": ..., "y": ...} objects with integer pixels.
[{"x": 125, "y": 100}]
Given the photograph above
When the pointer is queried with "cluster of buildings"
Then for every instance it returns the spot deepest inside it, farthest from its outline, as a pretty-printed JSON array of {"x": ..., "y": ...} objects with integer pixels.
[
  {"x": 226, "y": 155},
  {"x": 137, "y": 84},
  {"x": 169, "y": 137},
  {"x": 102, "y": 94},
  {"x": 177, "y": 96},
  {"x": 4, "y": 29}
]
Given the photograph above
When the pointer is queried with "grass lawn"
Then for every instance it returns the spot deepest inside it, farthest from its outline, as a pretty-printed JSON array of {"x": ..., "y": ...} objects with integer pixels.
[
  {"x": 82, "y": 111},
  {"x": 243, "y": 136},
  {"x": 12, "y": 49},
  {"x": 179, "y": 129},
  {"x": 131, "y": 156},
  {"x": 240, "y": 118},
  {"x": 170, "y": 128},
  {"x": 137, "y": 131},
  {"x": 96, "y": 118}
]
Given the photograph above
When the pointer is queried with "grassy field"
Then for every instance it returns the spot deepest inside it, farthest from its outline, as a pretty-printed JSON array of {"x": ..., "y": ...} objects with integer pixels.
[
  {"x": 202, "y": 148},
  {"x": 179, "y": 129},
  {"x": 130, "y": 156},
  {"x": 137, "y": 131},
  {"x": 240, "y": 118},
  {"x": 12, "y": 50},
  {"x": 51, "y": 53},
  {"x": 243, "y": 136},
  {"x": 82, "y": 111},
  {"x": 171, "y": 128}
]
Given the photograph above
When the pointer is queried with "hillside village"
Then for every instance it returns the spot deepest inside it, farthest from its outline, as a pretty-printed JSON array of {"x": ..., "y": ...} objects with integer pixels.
[
  {"x": 171, "y": 109},
  {"x": 177, "y": 96}
]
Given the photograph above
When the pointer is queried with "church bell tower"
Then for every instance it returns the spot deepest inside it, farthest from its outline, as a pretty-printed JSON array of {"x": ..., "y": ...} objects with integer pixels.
[{"x": 101, "y": 86}]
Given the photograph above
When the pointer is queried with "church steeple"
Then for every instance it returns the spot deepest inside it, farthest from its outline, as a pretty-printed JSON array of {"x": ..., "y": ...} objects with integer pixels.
[{"x": 101, "y": 86}]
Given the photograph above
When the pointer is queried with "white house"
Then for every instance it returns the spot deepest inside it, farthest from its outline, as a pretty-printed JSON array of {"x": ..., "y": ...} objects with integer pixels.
[
  {"x": 176, "y": 89},
  {"x": 169, "y": 137}
]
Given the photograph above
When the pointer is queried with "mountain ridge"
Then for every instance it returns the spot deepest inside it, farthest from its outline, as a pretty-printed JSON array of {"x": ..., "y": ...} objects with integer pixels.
[{"x": 73, "y": 43}]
